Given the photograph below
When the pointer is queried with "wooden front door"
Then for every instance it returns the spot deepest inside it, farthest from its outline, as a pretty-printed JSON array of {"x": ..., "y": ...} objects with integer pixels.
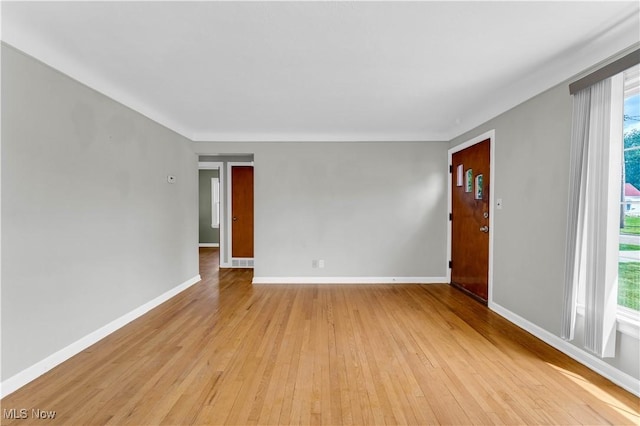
[
  {"x": 470, "y": 220},
  {"x": 242, "y": 211}
]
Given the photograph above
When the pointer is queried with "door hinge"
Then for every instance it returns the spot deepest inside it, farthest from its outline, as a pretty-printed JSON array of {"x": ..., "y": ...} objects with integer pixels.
[
  {"x": 450, "y": 264},
  {"x": 450, "y": 168},
  {"x": 450, "y": 216}
]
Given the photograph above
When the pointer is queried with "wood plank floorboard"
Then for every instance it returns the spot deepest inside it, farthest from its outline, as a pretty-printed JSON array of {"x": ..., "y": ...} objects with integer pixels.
[{"x": 227, "y": 352}]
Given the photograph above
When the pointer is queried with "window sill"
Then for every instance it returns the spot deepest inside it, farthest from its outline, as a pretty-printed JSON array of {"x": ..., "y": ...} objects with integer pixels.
[{"x": 628, "y": 322}]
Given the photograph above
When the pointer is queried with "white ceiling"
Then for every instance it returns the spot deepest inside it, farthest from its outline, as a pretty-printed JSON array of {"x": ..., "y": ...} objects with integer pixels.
[{"x": 328, "y": 71}]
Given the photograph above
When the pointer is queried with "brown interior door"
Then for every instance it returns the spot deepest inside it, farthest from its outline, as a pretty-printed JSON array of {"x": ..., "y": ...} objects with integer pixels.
[
  {"x": 242, "y": 211},
  {"x": 470, "y": 220}
]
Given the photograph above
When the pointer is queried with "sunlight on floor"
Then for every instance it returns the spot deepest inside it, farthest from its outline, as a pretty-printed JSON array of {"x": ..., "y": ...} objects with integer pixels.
[{"x": 630, "y": 412}]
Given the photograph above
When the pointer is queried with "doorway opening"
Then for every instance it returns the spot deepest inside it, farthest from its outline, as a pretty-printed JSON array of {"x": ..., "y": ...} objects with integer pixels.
[{"x": 217, "y": 214}]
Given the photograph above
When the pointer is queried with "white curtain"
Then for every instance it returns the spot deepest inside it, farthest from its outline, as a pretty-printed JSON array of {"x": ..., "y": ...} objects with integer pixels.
[
  {"x": 575, "y": 216},
  {"x": 592, "y": 233}
]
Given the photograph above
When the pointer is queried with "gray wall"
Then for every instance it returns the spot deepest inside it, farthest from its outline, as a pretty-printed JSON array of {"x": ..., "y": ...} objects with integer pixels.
[
  {"x": 90, "y": 227},
  {"x": 532, "y": 178},
  {"x": 368, "y": 209},
  {"x": 206, "y": 232}
]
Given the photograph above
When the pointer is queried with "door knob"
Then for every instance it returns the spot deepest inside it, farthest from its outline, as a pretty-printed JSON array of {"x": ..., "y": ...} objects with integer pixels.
[
  {"x": 484, "y": 229},
  {"x": 235, "y": 218}
]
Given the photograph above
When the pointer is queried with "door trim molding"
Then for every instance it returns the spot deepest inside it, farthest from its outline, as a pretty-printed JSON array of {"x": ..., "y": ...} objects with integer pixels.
[
  {"x": 228, "y": 226},
  {"x": 491, "y": 135}
]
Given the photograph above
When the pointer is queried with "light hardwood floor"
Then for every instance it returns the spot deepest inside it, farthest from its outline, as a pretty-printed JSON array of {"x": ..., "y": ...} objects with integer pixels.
[{"x": 227, "y": 352}]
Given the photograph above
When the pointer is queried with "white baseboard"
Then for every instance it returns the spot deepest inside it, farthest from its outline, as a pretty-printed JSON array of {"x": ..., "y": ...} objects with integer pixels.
[
  {"x": 618, "y": 377},
  {"x": 349, "y": 280},
  {"x": 29, "y": 374},
  {"x": 208, "y": 244}
]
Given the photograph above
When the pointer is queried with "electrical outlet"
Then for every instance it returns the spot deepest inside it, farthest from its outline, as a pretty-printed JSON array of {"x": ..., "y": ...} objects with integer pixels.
[
  {"x": 320, "y": 263},
  {"x": 314, "y": 263}
]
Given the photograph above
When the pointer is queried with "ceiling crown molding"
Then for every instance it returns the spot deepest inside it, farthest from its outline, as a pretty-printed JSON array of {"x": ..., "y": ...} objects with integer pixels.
[
  {"x": 612, "y": 42},
  {"x": 557, "y": 69}
]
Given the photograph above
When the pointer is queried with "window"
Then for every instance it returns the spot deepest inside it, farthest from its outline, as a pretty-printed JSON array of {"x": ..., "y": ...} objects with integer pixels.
[
  {"x": 215, "y": 202},
  {"x": 629, "y": 258},
  {"x": 602, "y": 276}
]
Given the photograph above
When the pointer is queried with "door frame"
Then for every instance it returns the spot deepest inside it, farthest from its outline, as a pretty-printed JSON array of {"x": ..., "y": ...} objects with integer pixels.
[
  {"x": 491, "y": 135},
  {"x": 240, "y": 262}
]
